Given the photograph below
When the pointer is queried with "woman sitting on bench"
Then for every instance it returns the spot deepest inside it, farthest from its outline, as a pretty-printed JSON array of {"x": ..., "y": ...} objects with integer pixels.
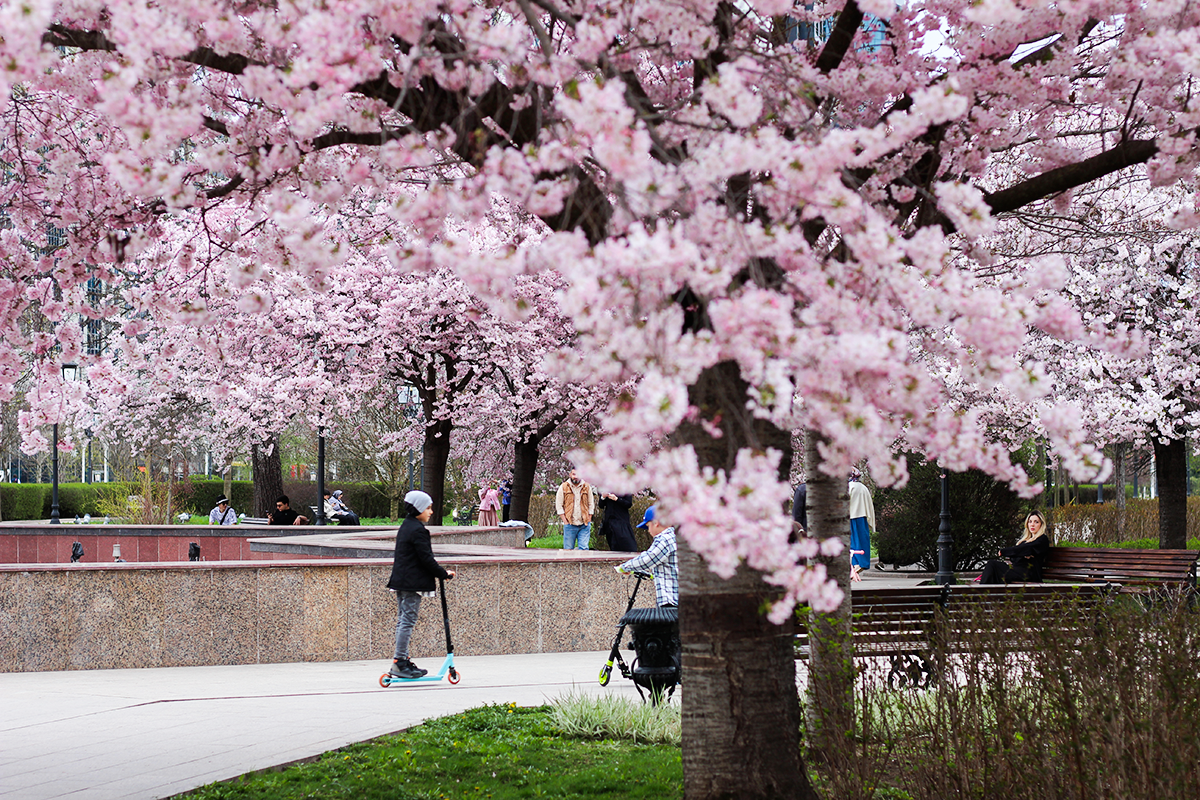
[{"x": 1021, "y": 563}]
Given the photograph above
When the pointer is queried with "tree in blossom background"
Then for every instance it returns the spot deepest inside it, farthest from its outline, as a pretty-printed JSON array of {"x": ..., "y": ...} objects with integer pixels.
[{"x": 754, "y": 236}]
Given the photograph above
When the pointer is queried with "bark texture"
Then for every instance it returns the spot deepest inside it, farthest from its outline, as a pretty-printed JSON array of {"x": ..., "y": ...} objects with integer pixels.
[
  {"x": 831, "y": 649},
  {"x": 525, "y": 461},
  {"x": 436, "y": 451},
  {"x": 268, "y": 475},
  {"x": 1171, "y": 462},
  {"x": 739, "y": 669}
]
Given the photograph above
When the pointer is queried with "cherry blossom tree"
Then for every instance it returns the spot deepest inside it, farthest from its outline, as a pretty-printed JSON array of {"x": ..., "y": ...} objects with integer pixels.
[{"x": 757, "y": 236}]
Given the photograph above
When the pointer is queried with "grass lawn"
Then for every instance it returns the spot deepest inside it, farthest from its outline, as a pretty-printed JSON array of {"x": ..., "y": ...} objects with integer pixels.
[{"x": 498, "y": 751}]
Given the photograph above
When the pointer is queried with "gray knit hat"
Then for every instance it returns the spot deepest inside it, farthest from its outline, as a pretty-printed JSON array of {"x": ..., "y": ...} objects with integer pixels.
[{"x": 418, "y": 500}]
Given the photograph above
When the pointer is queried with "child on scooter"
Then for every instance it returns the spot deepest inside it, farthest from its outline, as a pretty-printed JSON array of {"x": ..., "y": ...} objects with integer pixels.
[{"x": 414, "y": 572}]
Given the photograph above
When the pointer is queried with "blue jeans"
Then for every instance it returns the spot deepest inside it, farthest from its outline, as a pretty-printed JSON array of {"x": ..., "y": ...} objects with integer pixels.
[{"x": 576, "y": 537}]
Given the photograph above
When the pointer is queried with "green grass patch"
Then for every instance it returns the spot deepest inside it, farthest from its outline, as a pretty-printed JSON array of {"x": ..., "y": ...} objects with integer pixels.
[{"x": 497, "y": 751}]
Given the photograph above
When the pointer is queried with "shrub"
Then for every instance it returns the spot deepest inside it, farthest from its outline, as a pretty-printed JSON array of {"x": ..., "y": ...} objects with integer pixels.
[
  {"x": 985, "y": 515},
  {"x": 1115, "y": 714},
  {"x": 586, "y": 716},
  {"x": 1101, "y": 524},
  {"x": 24, "y": 500}
]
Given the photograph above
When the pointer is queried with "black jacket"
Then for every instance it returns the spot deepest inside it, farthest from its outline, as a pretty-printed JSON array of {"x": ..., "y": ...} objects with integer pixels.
[
  {"x": 1027, "y": 559},
  {"x": 616, "y": 527},
  {"x": 413, "y": 567}
]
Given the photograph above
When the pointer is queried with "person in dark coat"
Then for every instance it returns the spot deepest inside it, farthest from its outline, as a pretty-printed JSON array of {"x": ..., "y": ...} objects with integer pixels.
[
  {"x": 414, "y": 574},
  {"x": 1023, "y": 562},
  {"x": 616, "y": 527}
]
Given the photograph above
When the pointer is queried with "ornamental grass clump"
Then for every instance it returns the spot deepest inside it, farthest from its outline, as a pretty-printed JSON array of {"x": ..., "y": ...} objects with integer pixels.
[
  {"x": 1071, "y": 704},
  {"x": 610, "y": 717}
]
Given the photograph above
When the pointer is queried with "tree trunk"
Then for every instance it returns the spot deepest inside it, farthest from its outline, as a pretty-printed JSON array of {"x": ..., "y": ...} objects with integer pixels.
[
  {"x": 741, "y": 720},
  {"x": 1120, "y": 469},
  {"x": 831, "y": 649},
  {"x": 227, "y": 485},
  {"x": 1171, "y": 460},
  {"x": 268, "y": 475},
  {"x": 436, "y": 456},
  {"x": 525, "y": 460}
]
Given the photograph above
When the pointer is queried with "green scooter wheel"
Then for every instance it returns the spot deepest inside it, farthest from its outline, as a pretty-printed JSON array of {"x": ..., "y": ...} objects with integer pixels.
[{"x": 605, "y": 674}]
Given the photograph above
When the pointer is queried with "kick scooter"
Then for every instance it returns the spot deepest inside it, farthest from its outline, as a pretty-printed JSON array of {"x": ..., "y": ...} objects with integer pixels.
[
  {"x": 615, "y": 654},
  {"x": 387, "y": 679}
]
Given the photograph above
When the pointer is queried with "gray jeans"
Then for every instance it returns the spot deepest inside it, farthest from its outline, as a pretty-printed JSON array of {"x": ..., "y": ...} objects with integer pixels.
[{"x": 409, "y": 603}]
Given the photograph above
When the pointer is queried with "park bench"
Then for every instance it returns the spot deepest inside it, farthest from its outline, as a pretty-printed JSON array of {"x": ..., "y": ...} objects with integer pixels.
[
  {"x": 917, "y": 627},
  {"x": 1135, "y": 570},
  {"x": 254, "y": 521}
]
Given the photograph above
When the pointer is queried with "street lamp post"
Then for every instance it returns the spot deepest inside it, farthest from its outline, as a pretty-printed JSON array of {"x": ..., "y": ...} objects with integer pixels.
[
  {"x": 69, "y": 373},
  {"x": 54, "y": 518},
  {"x": 945, "y": 542},
  {"x": 320, "y": 475}
]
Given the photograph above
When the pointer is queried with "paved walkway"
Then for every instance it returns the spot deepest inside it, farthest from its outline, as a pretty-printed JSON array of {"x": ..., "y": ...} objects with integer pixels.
[{"x": 151, "y": 733}]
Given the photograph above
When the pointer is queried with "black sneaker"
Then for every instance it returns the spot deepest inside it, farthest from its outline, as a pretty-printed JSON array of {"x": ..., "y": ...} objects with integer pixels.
[
  {"x": 420, "y": 672},
  {"x": 403, "y": 668}
]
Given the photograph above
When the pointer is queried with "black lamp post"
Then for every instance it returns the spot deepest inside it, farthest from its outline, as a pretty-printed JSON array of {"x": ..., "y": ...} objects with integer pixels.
[
  {"x": 945, "y": 542},
  {"x": 320, "y": 475},
  {"x": 54, "y": 518},
  {"x": 69, "y": 373}
]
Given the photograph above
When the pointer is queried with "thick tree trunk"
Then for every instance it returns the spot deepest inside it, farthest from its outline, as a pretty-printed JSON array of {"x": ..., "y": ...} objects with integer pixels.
[
  {"x": 525, "y": 460},
  {"x": 831, "y": 649},
  {"x": 268, "y": 475},
  {"x": 741, "y": 719},
  {"x": 1171, "y": 460},
  {"x": 1120, "y": 469},
  {"x": 437, "y": 456}
]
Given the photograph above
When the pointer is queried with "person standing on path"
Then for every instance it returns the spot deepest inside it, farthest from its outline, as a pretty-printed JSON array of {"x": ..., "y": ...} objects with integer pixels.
[
  {"x": 489, "y": 506},
  {"x": 862, "y": 522},
  {"x": 575, "y": 505},
  {"x": 615, "y": 525},
  {"x": 414, "y": 572}
]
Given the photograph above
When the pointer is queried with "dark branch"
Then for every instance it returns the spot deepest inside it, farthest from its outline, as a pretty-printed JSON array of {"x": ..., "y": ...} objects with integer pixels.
[
  {"x": 1125, "y": 154},
  {"x": 61, "y": 36},
  {"x": 838, "y": 44}
]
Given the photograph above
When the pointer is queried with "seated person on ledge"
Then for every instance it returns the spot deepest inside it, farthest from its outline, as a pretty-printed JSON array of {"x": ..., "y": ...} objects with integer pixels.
[
  {"x": 284, "y": 515},
  {"x": 222, "y": 514},
  {"x": 1021, "y": 563},
  {"x": 337, "y": 510}
]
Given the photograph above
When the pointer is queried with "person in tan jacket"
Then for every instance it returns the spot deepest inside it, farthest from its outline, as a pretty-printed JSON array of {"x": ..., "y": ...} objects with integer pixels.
[{"x": 575, "y": 502}]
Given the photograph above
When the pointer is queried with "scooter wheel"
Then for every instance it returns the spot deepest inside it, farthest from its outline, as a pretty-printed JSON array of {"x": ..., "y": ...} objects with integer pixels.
[
  {"x": 454, "y": 676},
  {"x": 385, "y": 680},
  {"x": 605, "y": 674}
]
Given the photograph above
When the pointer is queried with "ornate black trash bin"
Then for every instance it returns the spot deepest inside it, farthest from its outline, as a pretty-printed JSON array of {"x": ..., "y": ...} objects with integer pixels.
[{"x": 655, "y": 635}]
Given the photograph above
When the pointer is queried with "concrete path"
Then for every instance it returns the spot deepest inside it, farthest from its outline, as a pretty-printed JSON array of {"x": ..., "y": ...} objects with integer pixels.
[{"x": 152, "y": 733}]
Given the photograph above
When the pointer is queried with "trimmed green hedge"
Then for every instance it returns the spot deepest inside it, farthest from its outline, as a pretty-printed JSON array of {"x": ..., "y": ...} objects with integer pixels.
[{"x": 24, "y": 500}]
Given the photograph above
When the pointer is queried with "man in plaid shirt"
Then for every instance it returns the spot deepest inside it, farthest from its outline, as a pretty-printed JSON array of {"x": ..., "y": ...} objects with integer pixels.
[{"x": 659, "y": 560}]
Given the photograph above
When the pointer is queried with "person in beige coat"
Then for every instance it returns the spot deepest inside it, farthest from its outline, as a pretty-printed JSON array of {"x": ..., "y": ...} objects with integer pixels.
[{"x": 575, "y": 503}]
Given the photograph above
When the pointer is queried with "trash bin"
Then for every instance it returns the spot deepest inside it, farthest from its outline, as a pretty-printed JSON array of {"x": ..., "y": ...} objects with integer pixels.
[{"x": 657, "y": 649}]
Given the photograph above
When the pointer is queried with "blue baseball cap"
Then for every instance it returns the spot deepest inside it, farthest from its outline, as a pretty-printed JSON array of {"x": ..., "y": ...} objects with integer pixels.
[{"x": 650, "y": 516}]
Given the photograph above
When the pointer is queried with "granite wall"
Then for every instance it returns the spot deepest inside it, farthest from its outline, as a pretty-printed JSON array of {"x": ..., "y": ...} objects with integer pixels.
[
  {"x": 76, "y": 616},
  {"x": 48, "y": 544}
]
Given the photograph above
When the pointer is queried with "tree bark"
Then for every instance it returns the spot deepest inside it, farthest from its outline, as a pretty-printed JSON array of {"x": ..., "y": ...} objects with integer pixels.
[
  {"x": 741, "y": 720},
  {"x": 525, "y": 460},
  {"x": 1120, "y": 469},
  {"x": 268, "y": 475},
  {"x": 1171, "y": 460},
  {"x": 831, "y": 648},
  {"x": 227, "y": 484},
  {"x": 433, "y": 467}
]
